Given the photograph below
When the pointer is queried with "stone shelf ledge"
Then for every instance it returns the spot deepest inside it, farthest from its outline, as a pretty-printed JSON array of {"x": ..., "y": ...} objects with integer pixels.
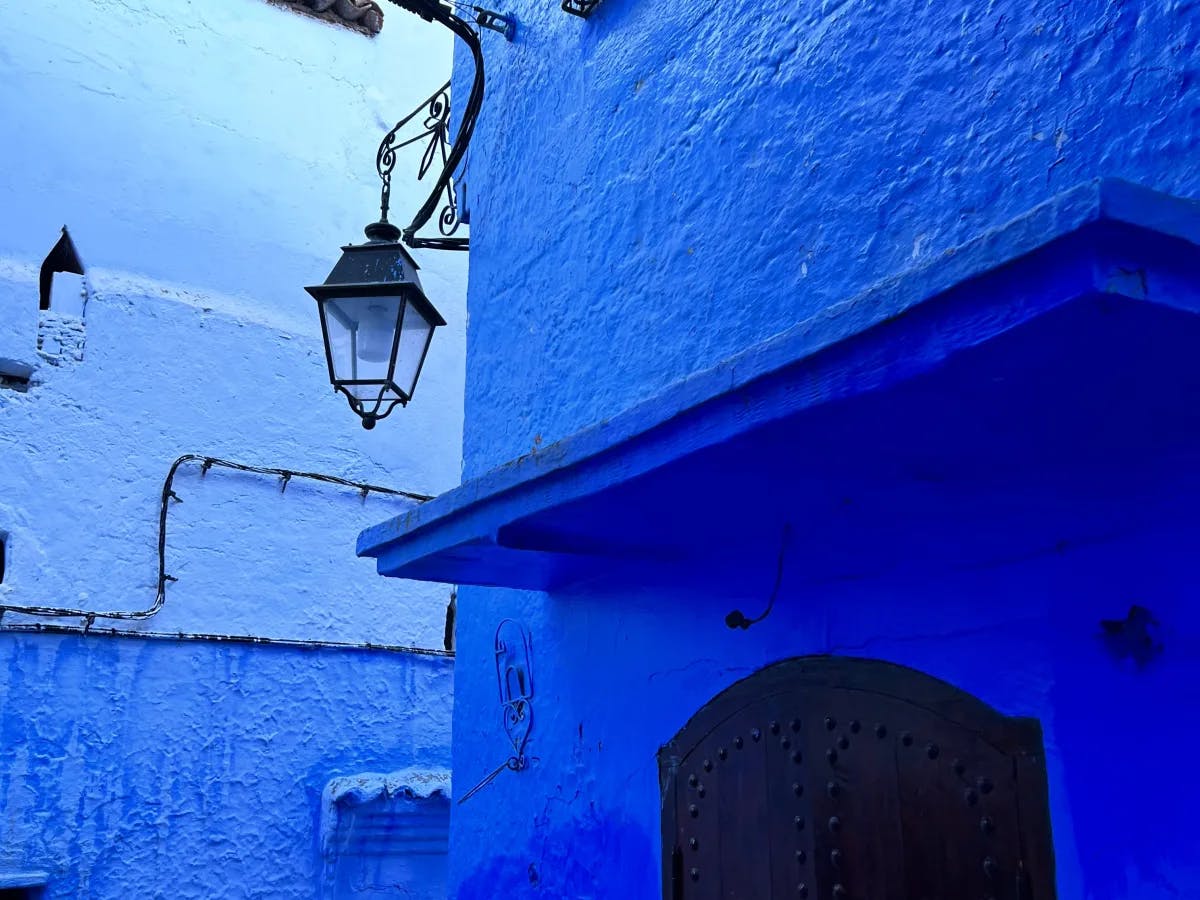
[{"x": 1007, "y": 399}]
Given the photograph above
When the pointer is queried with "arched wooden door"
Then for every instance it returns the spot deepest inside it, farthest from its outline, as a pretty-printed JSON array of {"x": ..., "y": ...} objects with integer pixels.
[{"x": 853, "y": 779}]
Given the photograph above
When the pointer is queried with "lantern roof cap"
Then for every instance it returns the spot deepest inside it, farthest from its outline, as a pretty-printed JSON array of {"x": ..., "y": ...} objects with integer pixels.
[
  {"x": 381, "y": 265},
  {"x": 1024, "y": 367}
]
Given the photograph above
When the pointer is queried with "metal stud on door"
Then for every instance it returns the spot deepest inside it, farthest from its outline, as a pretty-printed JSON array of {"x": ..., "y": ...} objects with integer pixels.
[{"x": 841, "y": 778}]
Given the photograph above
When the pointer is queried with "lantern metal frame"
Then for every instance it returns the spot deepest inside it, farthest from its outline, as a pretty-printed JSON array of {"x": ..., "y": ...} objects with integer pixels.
[{"x": 381, "y": 267}]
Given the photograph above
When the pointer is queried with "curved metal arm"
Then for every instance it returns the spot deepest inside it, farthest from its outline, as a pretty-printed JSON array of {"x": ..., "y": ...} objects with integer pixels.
[{"x": 432, "y": 11}]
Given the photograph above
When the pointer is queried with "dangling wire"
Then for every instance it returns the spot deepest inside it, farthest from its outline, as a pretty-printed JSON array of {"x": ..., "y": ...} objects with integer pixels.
[
  {"x": 513, "y": 763},
  {"x": 736, "y": 619}
]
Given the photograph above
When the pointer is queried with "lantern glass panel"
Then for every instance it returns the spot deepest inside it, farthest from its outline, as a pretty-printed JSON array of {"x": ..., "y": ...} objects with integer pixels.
[
  {"x": 369, "y": 393},
  {"x": 415, "y": 332},
  {"x": 361, "y": 332}
]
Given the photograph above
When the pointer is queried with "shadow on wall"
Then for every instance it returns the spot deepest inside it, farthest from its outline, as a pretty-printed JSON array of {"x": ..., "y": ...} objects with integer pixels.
[
  {"x": 22, "y": 886},
  {"x": 569, "y": 860}
]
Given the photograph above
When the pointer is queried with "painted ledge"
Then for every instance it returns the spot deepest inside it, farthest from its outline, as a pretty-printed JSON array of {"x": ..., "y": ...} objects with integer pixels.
[{"x": 960, "y": 414}]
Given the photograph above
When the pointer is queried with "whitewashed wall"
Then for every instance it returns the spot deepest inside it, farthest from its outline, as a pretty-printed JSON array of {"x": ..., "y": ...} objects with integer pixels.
[{"x": 209, "y": 159}]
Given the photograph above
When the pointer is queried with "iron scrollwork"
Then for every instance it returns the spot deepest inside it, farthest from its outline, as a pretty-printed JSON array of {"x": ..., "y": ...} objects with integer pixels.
[
  {"x": 514, "y": 678},
  {"x": 435, "y": 131},
  {"x": 443, "y": 12}
]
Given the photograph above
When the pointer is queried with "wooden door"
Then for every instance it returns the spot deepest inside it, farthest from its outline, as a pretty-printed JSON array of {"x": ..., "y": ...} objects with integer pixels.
[{"x": 850, "y": 779}]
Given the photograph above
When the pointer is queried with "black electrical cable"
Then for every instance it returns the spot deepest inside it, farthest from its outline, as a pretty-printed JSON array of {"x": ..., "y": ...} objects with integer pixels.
[
  {"x": 46, "y": 628},
  {"x": 168, "y": 494},
  {"x": 736, "y": 618},
  {"x": 435, "y": 12}
]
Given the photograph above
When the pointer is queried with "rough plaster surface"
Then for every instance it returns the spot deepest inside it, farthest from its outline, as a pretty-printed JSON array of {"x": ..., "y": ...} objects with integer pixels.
[
  {"x": 716, "y": 173},
  {"x": 209, "y": 159},
  {"x": 230, "y": 153},
  {"x": 386, "y": 834},
  {"x": 87, "y": 447},
  {"x": 227, "y": 145},
  {"x": 132, "y": 768}
]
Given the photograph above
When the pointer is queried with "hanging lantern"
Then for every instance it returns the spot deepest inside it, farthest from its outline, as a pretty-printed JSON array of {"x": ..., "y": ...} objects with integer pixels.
[{"x": 377, "y": 323}]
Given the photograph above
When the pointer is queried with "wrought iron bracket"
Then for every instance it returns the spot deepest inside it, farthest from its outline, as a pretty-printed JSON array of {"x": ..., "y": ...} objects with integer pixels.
[
  {"x": 514, "y": 678},
  {"x": 434, "y": 127},
  {"x": 437, "y": 127}
]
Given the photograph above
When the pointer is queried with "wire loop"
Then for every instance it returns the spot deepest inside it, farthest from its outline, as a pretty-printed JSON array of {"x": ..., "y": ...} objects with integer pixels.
[{"x": 168, "y": 494}]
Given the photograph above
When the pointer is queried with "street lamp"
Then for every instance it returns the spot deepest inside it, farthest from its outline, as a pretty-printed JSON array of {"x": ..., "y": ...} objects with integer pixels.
[
  {"x": 375, "y": 318},
  {"x": 377, "y": 323}
]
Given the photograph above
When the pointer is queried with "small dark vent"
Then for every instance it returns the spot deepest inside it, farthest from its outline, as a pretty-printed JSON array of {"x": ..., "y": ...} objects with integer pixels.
[
  {"x": 62, "y": 258},
  {"x": 30, "y": 892},
  {"x": 22, "y": 885},
  {"x": 19, "y": 383},
  {"x": 3, "y": 559}
]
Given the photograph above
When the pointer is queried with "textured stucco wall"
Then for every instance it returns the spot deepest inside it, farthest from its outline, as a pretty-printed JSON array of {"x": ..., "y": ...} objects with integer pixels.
[
  {"x": 134, "y": 768},
  {"x": 715, "y": 173},
  {"x": 261, "y": 125},
  {"x": 209, "y": 159},
  {"x": 689, "y": 179},
  {"x": 154, "y": 374},
  {"x": 224, "y": 144}
]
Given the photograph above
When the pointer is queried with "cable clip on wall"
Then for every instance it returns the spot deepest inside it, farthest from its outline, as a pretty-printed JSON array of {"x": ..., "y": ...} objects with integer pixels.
[{"x": 169, "y": 496}]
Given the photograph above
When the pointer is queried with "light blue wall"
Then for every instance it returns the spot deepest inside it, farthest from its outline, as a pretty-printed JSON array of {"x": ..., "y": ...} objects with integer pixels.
[
  {"x": 229, "y": 146},
  {"x": 161, "y": 373},
  {"x": 209, "y": 159},
  {"x": 212, "y": 160},
  {"x": 686, "y": 180}
]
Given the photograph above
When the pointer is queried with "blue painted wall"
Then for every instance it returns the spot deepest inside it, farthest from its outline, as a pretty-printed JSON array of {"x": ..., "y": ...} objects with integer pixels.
[
  {"x": 135, "y": 768},
  {"x": 665, "y": 184},
  {"x": 688, "y": 179},
  {"x": 209, "y": 159}
]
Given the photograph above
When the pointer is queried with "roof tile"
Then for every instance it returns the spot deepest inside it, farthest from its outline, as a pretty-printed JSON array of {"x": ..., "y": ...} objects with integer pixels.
[{"x": 364, "y": 15}]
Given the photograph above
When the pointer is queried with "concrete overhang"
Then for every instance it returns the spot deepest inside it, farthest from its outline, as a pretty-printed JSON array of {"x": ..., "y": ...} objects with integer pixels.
[{"x": 1032, "y": 389}]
